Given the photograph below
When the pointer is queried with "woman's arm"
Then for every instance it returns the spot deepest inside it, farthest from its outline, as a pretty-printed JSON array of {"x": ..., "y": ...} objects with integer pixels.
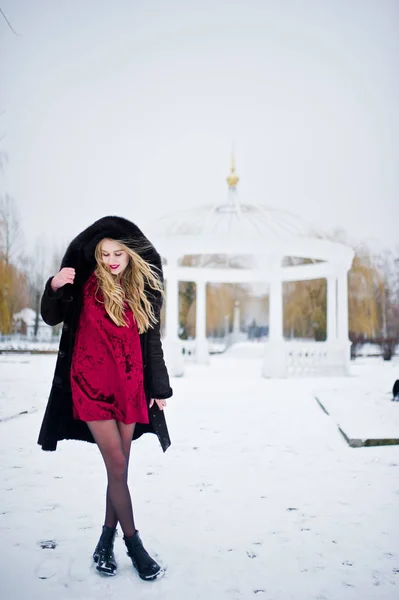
[
  {"x": 52, "y": 305},
  {"x": 159, "y": 386}
]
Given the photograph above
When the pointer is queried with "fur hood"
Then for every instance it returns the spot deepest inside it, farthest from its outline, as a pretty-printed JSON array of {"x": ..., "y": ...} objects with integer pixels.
[{"x": 80, "y": 252}]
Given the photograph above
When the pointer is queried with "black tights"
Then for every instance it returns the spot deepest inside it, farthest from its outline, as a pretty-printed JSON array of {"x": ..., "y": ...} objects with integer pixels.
[{"x": 114, "y": 440}]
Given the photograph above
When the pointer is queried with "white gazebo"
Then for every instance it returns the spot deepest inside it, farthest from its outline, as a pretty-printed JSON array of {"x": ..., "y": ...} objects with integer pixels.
[{"x": 263, "y": 237}]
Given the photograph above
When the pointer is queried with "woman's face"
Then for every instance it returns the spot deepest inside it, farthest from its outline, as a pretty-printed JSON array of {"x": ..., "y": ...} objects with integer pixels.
[{"x": 114, "y": 256}]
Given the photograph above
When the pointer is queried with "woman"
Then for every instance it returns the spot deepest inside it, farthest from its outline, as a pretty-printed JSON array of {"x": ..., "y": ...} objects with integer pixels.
[{"x": 110, "y": 384}]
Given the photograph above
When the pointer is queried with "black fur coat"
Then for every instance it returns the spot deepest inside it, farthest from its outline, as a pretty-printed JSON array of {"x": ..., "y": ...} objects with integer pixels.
[{"x": 65, "y": 306}]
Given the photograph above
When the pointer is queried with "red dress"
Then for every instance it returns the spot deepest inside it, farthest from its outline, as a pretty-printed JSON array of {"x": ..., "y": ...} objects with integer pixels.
[{"x": 107, "y": 377}]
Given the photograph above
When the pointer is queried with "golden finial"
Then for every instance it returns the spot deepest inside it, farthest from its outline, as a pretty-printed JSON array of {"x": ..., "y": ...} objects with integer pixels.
[{"x": 233, "y": 178}]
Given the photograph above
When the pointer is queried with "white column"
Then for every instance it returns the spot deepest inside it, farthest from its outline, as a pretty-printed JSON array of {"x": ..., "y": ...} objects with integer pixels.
[
  {"x": 343, "y": 312},
  {"x": 274, "y": 358},
  {"x": 236, "y": 321},
  {"x": 226, "y": 327},
  {"x": 338, "y": 352},
  {"x": 331, "y": 308},
  {"x": 172, "y": 345},
  {"x": 343, "y": 343},
  {"x": 172, "y": 307},
  {"x": 276, "y": 310},
  {"x": 201, "y": 343}
]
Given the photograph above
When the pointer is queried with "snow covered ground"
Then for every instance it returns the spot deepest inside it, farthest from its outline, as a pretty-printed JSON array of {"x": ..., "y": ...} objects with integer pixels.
[
  {"x": 361, "y": 405},
  {"x": 22, "y": 344},
  {"x": 258, "y": 497}
]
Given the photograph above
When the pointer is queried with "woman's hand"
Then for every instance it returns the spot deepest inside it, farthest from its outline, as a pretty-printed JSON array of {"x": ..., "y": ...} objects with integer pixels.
[
  {"x": 66, "y": 275},
  {"x": 161, "y": 403}
]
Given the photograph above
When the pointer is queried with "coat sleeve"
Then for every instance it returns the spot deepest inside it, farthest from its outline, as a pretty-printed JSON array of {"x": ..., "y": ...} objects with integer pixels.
[
  {"x": 52, "y": 305},
  {"x": 159, "y": 386}
]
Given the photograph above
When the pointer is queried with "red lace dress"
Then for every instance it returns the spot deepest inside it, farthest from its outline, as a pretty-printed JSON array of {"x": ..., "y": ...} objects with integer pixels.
[{"x": 107, "y": 368}]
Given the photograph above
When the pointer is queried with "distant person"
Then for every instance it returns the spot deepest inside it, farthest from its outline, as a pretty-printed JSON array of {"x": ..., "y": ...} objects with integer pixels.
[
  {"x": 252, "y": 330},
  {"x": 395, "y": 391},
  {"x": 111, "y": 383}
]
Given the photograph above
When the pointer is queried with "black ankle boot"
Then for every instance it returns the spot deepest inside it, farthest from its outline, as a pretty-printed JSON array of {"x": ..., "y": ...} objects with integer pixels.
[
  {"x": 146, "y": 566},
  {"x": 103, "y": 555}
]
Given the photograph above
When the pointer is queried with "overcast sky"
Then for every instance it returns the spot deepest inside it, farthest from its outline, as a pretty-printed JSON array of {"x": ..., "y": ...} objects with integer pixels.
[{"x": 131, "y": 108}]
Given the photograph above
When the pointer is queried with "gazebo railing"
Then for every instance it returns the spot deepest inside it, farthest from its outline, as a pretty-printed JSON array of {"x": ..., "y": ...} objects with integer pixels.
[
  {"x": 314, "y": 359},
  {"x": 303, "y": 358},
  {"x": 216, "y": 345}
]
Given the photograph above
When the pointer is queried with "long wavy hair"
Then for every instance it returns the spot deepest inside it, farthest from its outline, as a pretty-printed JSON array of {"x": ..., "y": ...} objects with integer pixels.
[{"x": 128, "y": 287}]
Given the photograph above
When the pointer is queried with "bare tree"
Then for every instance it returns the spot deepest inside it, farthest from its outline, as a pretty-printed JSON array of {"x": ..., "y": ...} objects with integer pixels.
[
  {"x": 43, "y": 261},
  {"x": 36, "y": 267},
  {"x": 3, "y": 154},
  {"x": 10, "y": 230},
  {"x": 387, "y": 263},
  {"x": 3, "y": 159},
  {"x": 8, "y": 22}
]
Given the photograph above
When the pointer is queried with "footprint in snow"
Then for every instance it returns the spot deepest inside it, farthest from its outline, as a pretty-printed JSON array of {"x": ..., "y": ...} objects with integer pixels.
[
  {"x": 46, "y": 569},
  {"x": 48, "y": 544}
]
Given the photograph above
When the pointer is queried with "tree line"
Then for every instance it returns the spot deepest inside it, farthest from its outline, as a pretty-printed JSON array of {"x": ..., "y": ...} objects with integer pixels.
[
  {"x": 373, "y": 289},
  {"x": 22, "y": 274},
  {"x": 373, "y": 300}
]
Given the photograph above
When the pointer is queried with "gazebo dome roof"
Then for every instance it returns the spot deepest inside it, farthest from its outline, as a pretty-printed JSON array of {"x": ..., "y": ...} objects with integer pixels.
[
  {"x": 234, "y": 220},
  {"x": 239, "y": 228}
]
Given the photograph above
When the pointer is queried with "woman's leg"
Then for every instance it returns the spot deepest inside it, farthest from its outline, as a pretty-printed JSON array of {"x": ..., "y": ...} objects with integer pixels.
[
  {"x": 126, "y": 433},
  {"x": 109, "y": 440}
]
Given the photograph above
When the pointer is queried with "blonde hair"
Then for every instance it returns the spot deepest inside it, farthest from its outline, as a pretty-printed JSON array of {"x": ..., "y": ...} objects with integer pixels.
[{"x": 129, "y": 287}]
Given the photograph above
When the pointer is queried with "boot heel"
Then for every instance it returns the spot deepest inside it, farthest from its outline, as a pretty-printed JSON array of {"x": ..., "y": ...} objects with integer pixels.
[
  {"x": 103, "y": 555},
  {"x": 147, "y": 568}
]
